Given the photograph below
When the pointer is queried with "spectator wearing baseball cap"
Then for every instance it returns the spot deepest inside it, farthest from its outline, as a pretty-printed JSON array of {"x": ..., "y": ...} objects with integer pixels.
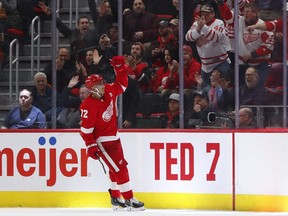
[
  {"x": 192, "y": 69},
  {"x": 171, "y": 117},
  {"x": 173, "y": 24},
  {"x": 199, "y": 114},
  {"x": 165, "y": 38},
  {"x": 207, "y": 8},
  {"x": 212, "y": 42}
]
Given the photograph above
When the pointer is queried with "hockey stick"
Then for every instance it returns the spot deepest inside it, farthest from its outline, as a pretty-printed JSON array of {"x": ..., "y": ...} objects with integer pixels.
[{"x": 100, "y": 160}]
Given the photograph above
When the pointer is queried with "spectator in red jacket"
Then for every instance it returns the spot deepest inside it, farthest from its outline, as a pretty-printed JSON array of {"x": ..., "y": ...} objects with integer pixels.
[
  {"x": 192, "y": 68},
  {"x": 159, "y": 79},
  {"x": 165, "y": 38},
  {"x": 138, "y": 69}
]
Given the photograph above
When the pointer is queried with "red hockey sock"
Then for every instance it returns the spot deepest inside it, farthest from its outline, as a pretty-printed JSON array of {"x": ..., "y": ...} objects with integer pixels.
[{"x": 115, "y": 193}]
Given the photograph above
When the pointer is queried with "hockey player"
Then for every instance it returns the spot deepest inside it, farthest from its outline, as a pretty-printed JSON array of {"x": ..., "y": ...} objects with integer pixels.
[
  {"x": 99, "y": 131},
  {"x": 211, "y": 41}
]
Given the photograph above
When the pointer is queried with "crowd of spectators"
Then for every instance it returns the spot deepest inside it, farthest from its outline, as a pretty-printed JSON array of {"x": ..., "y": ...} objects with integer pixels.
[{"x": 151, "y": 52}]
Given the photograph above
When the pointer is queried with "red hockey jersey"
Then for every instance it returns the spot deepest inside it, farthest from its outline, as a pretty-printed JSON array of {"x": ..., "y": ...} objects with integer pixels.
[{"x": 99, "y": 116}]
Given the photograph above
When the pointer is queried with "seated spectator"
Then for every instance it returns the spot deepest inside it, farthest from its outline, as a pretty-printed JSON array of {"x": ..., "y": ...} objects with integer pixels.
[
  {"x": 199, "y": 114},
  {"x": 246, "y": 118},
  {"x": 69, "y": 117},
  {"x": 138, "y": 69},
  {"x": 139, "y": 25},
  {"x": 24, "y": 116},
  {"x": 155, "y": 53},
  {"x": 97, "y": 62},
  {"x": 88, "y": 66},
  {"x": 172, "y": 115},
  {"x": 214, "y": 91},
  {"x": 42, "y": 96},
  {"x": 65, "y": 69},
  {"x": 163, "y": 7},
  {"x": 159, "y": 79},
  {"x": 192, "y": 69},
  {"x": 228, "y": 96},
  {"x": 173, "y": 24},
  {"x": 252, "y": 92}
]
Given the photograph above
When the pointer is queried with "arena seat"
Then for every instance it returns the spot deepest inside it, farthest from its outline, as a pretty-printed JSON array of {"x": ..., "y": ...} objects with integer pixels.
[
  {"x": 154, "y": 120},
  {"x": 15, "y": 32},
  {"x": 167, "y": 17},
  {"x": 152, "y": 103}
]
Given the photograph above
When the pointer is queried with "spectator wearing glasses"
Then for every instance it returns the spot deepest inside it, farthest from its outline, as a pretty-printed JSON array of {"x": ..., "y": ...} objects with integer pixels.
[{"x": 252, "y": 92}]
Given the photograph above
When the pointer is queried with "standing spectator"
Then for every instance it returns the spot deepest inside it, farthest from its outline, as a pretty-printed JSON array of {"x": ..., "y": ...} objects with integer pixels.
[
  {"x": 65, "y": 68},
  {"x": 212, "y": 42},
  {"x": 171, "y": 117},
  {"x": 99, "y": 131},
  {"x": 165, "y": 38},
  {"x": 24, "y": 116},
  {"x": 255, "y": 47},
  {"x": 81, "y": 38},
  {"x": 138, "y": 69},
  {"x": 13, "y": 19},
  {"x": 42, "y": 96},
  {"x": 102, "y": 16},
  {"x": 274, "y": 26},
  {"x": 114, "y": 39},
  {"x": 139, "y": 25},
  {"x": 270, "y": 9}
]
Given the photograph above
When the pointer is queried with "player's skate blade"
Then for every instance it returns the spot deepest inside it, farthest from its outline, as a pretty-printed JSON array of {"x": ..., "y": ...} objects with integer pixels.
[
  {"x": 134, "y": 205},
  {"x": 118, "y": 204}
]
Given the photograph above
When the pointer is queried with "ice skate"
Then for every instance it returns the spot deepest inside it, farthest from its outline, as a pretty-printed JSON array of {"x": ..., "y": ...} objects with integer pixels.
[
  {"x": 118, "y": 204},
  {"x": 134, "y": 205}
]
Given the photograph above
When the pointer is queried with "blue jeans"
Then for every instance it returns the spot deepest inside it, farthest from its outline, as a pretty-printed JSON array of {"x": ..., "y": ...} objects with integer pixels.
[{"x": 223, "y": 68}]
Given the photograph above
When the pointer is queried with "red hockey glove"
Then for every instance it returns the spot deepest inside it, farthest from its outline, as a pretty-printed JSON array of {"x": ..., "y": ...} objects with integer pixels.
[
  {"x": 117, "y": 61},
  {"x": 93, "y": 150}
]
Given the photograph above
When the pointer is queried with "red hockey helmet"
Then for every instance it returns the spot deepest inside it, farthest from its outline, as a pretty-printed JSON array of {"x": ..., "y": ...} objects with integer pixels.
[{"x": 93, "y": 80}]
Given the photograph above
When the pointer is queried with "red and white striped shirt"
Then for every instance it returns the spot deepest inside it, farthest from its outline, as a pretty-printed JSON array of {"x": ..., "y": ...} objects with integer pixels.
[{"x": 212, "y": 43}]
